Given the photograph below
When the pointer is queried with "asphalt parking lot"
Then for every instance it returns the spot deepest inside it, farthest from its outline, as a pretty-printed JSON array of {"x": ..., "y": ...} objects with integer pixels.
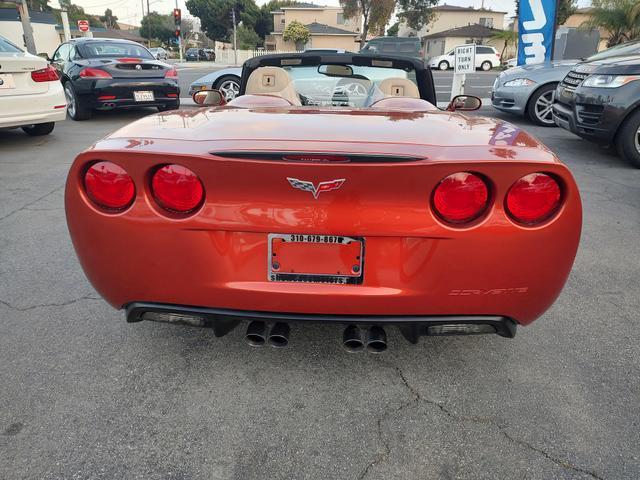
[{"x": 83, "y": 395}]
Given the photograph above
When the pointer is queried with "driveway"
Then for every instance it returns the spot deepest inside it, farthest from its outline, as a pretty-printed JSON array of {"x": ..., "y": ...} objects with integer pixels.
[{"x": 83, "y": 395}]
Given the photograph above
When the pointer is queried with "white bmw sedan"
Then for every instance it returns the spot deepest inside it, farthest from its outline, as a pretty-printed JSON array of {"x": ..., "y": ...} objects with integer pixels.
[{"x": 31, "y": 95}]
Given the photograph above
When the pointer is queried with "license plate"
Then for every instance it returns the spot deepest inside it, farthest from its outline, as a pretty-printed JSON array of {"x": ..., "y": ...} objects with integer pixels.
[
  {"x": 6, "y": 81},
  {"x": 315, "y": 258},
  {"x": 143, "y": 96}
]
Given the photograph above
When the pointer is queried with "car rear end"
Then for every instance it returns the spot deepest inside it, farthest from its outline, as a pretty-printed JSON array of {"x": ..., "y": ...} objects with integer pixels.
[
  {"x": 127, "y": 82},
  {"x": 332, "y": 231},
  {"x": 30, "y": 89}
]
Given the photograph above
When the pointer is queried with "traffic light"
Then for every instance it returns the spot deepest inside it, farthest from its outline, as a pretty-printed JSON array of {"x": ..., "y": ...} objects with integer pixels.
[{"x": 177, "y": 17}]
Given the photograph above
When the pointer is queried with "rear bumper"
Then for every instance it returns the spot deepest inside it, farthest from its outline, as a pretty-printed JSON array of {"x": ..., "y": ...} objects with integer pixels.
[
  {"x": 165, "y": 91},
  {"x": 412, "y": 326},
  {"x": 17, "y": 111}
]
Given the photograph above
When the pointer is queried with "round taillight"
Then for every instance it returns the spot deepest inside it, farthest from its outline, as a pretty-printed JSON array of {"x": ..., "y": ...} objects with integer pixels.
[
  {"x": 109, "y": 186},
  {"x": 177, "y": 189},
  {"x": 533, "y": 198},
  {"x": 460, "y": 198}
]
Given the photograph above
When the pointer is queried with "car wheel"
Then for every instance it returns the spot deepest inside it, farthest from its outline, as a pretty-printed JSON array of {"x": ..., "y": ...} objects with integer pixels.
[
  {"x": 229, "y": 86},
  {"x": 75, "y": 109},
  {"x": 628, "y": 139},
  {"x": 169, "y": 106},
  {"x": 443, "y": 65},
  {"x": 39, "y": 129},
  {"x": 540, "y": 106},
  {"x": 486, "y": 66}
]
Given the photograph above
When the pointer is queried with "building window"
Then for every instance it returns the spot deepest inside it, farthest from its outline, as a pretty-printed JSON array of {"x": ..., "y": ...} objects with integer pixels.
[
  {"x": 486, "y": 22},
  {"x": 340, "y": 19},
  {"x": 282, "y": 20}
]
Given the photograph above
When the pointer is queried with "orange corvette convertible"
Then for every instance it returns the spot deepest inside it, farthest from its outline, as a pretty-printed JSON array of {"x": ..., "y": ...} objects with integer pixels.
[{"x": 331, "y": 190}]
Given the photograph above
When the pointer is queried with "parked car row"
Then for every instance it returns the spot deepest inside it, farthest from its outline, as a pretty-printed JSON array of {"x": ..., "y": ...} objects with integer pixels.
[
  {"x": 597, "y": 98},
  {"x": 200, "y": 55}
]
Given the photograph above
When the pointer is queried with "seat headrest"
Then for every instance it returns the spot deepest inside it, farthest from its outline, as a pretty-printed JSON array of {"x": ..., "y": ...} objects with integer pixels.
[
  {"x": 272, "y": 81},
  {"x": 399, "y": 87}
]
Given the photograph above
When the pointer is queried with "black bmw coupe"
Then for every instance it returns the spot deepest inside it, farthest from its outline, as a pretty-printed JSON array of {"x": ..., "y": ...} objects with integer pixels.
[{"x": 104, "y": 74}]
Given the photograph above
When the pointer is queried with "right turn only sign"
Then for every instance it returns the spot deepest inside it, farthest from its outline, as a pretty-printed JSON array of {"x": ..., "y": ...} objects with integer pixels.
[{"x": 465, "y": 59}]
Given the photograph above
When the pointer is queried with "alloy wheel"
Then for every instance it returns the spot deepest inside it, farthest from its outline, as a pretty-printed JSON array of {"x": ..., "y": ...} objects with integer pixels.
[
  {"x": 544, "y": 107},
  {"x": 229, "y": 89},
  {"x": 636, "y": 140},
  {"x": 71, "y": 101}
]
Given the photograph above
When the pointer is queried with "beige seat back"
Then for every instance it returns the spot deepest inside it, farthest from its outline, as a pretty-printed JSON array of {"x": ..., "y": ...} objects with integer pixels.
[
  {"x": 399, "y": 87},
  {"x": 272, "y": 81}
]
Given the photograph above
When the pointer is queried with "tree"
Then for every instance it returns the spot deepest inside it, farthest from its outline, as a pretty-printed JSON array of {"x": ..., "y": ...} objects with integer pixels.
[
  {"x": 566, "y": 8},
  {"x": 248, "y": 39},
  {"x": 75, "y": 13},
  {"x": 216, "y": 15},
  {"x": 298, "y": 33},
  {"x": 110, "y": 20},
  {"x": 416, "y": 13},
  {"x": 393, "y": 30},
  {"x": 509, "y": 37},
  {"x": 619, "y": 18},
  {"x": 264, "y": 22},
  {"x": 375, "y": 14},
  {"x": 157, "y": 26}
]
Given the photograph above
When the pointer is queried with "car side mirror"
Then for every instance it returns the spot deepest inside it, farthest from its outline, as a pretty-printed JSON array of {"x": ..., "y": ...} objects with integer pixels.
[
  {"x": 209, "y": 98},
  {"x": 464, "y": 103},
  {"x": 45, "y": 56}
]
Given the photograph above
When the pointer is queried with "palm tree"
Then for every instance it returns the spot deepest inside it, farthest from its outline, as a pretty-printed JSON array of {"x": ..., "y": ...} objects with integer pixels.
[
  {"x": 509, "y": 37},
  {"x": 619, "y": 18}
]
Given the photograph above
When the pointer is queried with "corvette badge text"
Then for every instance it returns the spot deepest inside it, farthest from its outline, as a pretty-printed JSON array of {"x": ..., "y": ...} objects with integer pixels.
[{"x": 488, "y": 291}]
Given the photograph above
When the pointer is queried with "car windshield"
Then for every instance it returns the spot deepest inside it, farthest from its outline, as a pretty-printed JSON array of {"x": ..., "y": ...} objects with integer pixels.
[
  {"x": 7, "y": 47},
  {"x": 344, "y": 85},
  {"x": 114, "y": 49},
  {"x": 629, "y": 48}
]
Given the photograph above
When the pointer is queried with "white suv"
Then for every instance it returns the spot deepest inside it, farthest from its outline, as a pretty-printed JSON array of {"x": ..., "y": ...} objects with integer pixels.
[{"x": 486, "y": 58}]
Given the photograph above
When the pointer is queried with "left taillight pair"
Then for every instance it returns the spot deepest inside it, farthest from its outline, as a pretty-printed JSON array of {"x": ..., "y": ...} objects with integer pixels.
[
  {"x": 47, "y": 74},
  {"x": 174, "y": 188}
]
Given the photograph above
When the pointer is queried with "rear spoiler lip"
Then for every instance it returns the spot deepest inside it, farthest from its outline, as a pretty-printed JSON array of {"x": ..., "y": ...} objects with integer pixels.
[{"x": 287, "y": 156}]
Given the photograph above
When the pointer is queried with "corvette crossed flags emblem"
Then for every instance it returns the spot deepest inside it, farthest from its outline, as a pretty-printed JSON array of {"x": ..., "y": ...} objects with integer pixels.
[{"x": 316, "y": 189}]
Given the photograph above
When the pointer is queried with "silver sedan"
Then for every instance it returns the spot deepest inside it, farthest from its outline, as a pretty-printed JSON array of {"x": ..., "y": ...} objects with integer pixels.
[
  {"x": 528, "y": 90},
  {"x": 226, "y": 80}
]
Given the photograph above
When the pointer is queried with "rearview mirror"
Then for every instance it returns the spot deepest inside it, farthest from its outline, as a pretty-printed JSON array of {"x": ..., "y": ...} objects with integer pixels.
[
  {"x": 208, "y": 98},
  {"x": 336, "y": 70},
  {"x": 465, "y": 103}
]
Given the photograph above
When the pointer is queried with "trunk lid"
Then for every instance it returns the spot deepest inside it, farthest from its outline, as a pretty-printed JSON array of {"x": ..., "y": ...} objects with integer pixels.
[
  {"x": 15, "y": 73},
  {"x": 123, "y": 67}
]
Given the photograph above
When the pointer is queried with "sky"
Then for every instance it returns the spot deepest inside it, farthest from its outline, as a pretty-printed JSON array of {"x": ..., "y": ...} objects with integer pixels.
[{"x": 130, "y": 11}]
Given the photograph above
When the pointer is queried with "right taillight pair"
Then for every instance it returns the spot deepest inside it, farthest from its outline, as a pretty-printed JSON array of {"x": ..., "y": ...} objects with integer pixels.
[
  {"x": 174, "y": 188},
  {"x": 463, "y": 197}
]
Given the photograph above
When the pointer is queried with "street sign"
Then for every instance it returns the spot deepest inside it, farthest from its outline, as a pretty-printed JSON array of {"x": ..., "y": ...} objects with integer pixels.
[
  {"x": 536, "y": 31},
  {"x": 83, "y": 25},
  {"x": 465, "y": 59}
]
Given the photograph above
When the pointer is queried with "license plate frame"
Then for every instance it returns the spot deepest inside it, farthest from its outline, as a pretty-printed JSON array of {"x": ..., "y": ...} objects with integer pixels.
[
  {"x": 350, "y": 250},
  {"x": 143, "y": 96},
  {"x": 7, "y": 81}
]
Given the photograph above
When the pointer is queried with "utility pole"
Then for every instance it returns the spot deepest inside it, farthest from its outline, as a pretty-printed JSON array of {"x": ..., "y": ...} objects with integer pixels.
[
  {"x": 235, "y": 41},
  {"x": 148, "y": 23},
  {"x": 26, "y": 28},
  {"x": 65, "y": 25}
]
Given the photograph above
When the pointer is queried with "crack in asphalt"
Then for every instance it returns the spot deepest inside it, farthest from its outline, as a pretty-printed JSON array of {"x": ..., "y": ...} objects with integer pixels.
[
  {"x": 24, "y": 207},
  {"x": 416, "y": 398},
  {"x": 44, "y": 305}
]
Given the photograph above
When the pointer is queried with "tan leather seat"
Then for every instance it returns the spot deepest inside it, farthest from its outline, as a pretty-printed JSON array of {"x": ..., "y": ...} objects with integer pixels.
[
  {"x": 272, "y": 81},
  {"x": 399, "y": 87}
]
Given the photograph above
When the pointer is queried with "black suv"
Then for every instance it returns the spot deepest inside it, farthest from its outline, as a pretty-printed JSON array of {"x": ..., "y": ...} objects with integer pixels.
[
  {"x": 402, "y": 46},
  {"x": 600, "y": 101}
]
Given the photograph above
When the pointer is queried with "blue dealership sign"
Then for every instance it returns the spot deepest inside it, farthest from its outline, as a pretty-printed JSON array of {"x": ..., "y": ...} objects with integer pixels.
[{"x": 536, "y": 29}]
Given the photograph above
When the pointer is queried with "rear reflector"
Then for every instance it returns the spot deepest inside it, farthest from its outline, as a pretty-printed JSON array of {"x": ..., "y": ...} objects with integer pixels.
[
  {"x": 106, "y": 97},
  {"x": 533, "y": 199},
  {"x": 89, "y": 72},
  {"x": 460, "y": 198},
  {"x": 177, "y": 189},
  {"x": 172, "y": 95},
  {"x": 109, "y": 186},
  {"x": 48, "y": 74}
]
